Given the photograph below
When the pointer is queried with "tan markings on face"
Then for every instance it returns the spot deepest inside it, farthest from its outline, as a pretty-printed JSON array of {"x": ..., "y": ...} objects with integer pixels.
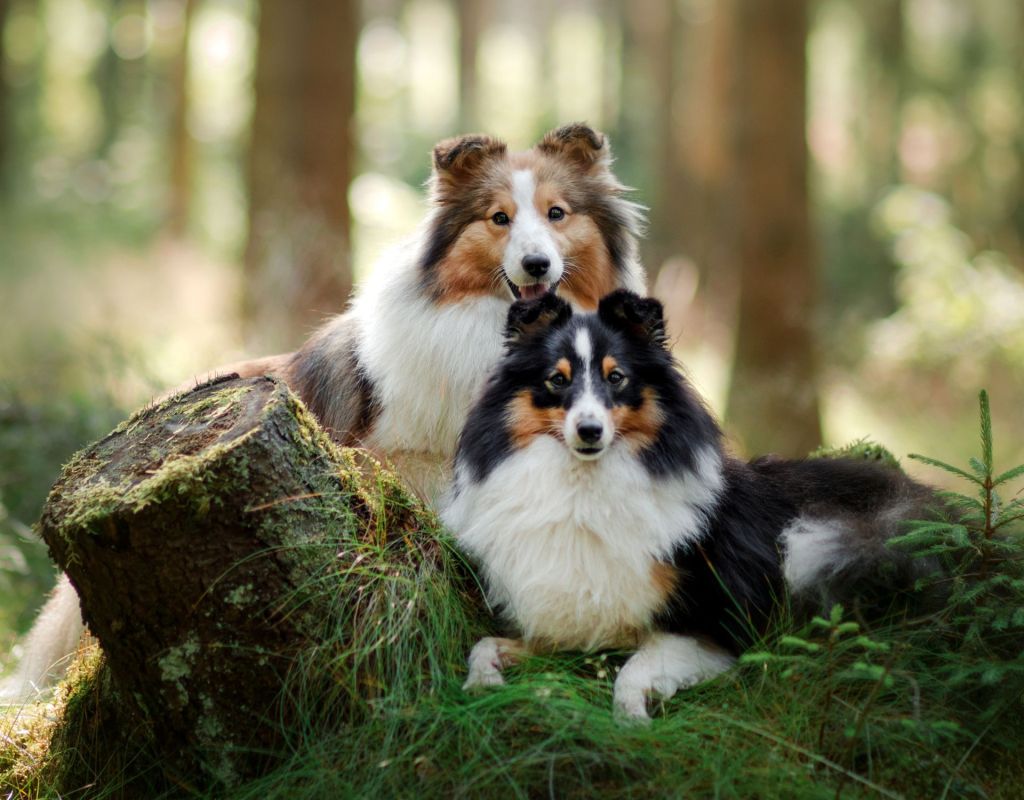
[
  {"x": 526, "y": 421},
  {"x": 546, "y": 196},
  {"x": 589, "y": 273},
  {"x": 665, "y": 578},
  {"x": 608, "y": 363},
  {"x": 639, "y": 426},
  {"x": 472, "y": 267},
  {"x": 501, "y": 200},
  {"x": 564, "y": 367}
]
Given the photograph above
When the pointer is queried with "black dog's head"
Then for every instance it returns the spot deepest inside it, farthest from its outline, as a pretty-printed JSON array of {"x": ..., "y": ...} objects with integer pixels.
[
  {"x": 587, "y": 379},
  {"x": 592, "y": 381}
]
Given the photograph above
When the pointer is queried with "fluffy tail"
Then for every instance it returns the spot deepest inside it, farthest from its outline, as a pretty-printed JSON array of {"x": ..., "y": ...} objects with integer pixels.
[{"x": 49, "y": 645}]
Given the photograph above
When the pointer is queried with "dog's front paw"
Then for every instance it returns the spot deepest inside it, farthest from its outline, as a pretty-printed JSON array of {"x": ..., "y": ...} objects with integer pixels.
[
  {"x": 630, "y": 707},
  {"x": 483, "y": 679},
  {"x": 486, "y": 660}
]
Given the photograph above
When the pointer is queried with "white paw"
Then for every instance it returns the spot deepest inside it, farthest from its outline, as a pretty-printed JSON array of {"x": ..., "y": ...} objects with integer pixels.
[
  {"x": 485, "y": 662},
  {"x": 630, "y": 708},
  {"x": 664, "y": 664},
  {"x": 664, "y": 687},
  {"x": 483, "y": 678}
]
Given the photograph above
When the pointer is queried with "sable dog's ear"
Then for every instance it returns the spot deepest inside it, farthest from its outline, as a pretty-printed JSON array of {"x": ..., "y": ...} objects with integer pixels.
[
  {"x": 530, "y": 318},
  {"x": 578, "y": 143},
  {"x": 638, "y": 317},
  {"x": 462, "y": 156}
]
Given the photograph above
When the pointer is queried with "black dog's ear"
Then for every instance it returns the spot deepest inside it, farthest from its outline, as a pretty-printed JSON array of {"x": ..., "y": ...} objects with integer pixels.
[
  {"x": 579, "y": 143},
  {"x": 464, "y": 155},
  {"x": 528, "y": 318},
  {"x": 638, "y": 317}
]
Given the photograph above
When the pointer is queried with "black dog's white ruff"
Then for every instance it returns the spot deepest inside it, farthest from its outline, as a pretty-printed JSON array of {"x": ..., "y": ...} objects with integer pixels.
[{"x": 592, "y": 488}]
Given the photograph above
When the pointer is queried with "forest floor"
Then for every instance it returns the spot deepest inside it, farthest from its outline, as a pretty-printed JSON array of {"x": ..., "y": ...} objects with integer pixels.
[{"x": 915, "y": 705}]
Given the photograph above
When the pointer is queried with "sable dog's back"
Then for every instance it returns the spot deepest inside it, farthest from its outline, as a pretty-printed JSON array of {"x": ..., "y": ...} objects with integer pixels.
[{"x": 327, "y": 375}]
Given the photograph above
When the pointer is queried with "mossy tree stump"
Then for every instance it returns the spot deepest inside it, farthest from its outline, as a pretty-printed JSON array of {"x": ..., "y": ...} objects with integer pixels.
[{"x": 192, "y": 533}]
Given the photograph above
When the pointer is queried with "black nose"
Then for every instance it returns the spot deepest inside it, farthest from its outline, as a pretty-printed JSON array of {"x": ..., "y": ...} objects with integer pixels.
[
  {"x": 536, "y": 265},
  {"x": 589, "y": 431}
]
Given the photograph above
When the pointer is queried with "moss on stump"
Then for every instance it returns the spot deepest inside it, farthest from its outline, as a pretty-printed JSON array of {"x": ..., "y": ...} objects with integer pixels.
[{"x": 198, "y": 534}]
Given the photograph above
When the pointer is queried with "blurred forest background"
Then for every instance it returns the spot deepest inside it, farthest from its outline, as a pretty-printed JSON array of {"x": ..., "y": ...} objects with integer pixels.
[{"x": 836, "y": 187}]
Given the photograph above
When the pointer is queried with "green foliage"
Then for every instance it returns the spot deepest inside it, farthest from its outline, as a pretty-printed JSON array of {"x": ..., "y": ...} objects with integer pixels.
[
  {"x": 980, "y": 549},
  {"x": 957, "y": 303}
]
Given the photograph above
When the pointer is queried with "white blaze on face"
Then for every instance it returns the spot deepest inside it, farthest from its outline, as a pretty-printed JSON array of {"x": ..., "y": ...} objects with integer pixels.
[
  {"x": 529, "y": 235},
  {"x": 587, "y": 411}
]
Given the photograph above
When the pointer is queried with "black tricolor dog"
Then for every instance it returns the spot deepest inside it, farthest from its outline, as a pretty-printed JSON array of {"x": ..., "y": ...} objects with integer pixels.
[{"x": 592, "y": 488}]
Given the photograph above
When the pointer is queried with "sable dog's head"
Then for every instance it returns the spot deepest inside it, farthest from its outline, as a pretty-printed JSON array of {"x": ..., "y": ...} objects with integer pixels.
[{"x": 519, "y": 225}]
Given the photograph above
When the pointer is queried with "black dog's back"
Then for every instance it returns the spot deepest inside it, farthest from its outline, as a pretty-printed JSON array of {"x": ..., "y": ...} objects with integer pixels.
[
  {"x": 820, "y": 526},
  {"x": 841, "y": 485}
]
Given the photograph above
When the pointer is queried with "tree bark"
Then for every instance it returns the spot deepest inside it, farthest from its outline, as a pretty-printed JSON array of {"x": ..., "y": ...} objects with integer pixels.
[
  {"x": 773, "y": 398},
  {"x": 297, "y": 259},
  {"x": 193, "y": 534}
]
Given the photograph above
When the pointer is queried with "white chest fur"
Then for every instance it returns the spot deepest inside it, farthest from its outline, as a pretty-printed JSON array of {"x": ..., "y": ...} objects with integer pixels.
[
  {"x": 427, "y": 361},
  {"x": 569, "y": 547}
]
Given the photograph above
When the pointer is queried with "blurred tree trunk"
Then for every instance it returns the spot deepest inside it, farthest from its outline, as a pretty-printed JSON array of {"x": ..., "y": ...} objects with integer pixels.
[
  {"x": 1015, "y": 218},
  {"x": 648, "y": 81},
  {"x": 668, "y": 217},
  {"x": 5, "y": 122},
  {"x": 181, "y": 140},
  {"x": 773, "y": 400},
  {"x": 703, "y": 209},
  {"x": 611, "y": 15},
  {"x": 703, "y": 138},
  {"x": 888, "y": 88},
  {"x": 538, "y": 26},
  {"x": 107, "y": 78},
  {"x": 470, "y": 15},
  {"x": 297, "y": 260}
]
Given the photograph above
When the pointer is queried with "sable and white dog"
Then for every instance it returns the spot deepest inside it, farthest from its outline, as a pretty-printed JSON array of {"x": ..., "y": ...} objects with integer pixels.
[
  {"x": 397, "y": 372},
  {"x": 592, "y": 488}
]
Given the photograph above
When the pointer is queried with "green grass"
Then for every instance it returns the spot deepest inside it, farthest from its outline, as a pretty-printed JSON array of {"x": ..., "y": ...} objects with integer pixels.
[{"x": 923, "y": 704}]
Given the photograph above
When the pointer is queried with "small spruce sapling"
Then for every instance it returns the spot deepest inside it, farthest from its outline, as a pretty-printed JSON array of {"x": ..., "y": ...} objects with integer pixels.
[{"x": 980, "y": 549}]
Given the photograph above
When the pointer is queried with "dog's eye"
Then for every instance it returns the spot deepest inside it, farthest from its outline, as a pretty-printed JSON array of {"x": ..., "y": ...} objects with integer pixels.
[
  {"x": 556, "y": 381},
  {"x": 500, "y": 218},
  {"x": 555, "y": 213},
  {"x": 616, "y": 377}
]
